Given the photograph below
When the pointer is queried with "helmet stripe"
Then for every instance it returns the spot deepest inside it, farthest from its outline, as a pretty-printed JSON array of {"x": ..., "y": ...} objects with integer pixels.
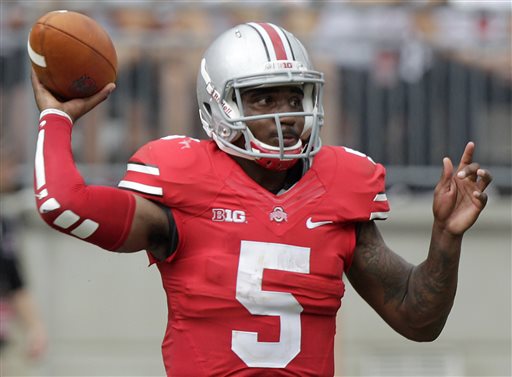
[
  {"x": 275, "y": 41},
  {"x": 288, "y": 46},
  {"x": 285, "y": 42}
]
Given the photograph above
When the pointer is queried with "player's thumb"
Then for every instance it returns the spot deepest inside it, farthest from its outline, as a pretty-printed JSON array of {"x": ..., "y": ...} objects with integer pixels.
[{"x": 447, "y": 172}]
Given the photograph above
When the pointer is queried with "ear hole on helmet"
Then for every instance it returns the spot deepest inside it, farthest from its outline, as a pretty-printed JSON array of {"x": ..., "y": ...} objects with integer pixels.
[{"x": 208, "y": 108}]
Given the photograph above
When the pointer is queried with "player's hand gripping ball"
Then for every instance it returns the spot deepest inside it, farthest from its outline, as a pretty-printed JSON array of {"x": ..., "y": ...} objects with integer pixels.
[{"x": 72, "y": 55}]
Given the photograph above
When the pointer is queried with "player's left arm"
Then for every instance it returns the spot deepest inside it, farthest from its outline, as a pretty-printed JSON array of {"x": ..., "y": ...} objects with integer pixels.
[{"x": 416, "y": 300}]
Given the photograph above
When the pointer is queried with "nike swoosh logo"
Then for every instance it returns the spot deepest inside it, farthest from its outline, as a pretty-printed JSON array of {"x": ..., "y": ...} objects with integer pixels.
[{"x": 310, "y": 224}]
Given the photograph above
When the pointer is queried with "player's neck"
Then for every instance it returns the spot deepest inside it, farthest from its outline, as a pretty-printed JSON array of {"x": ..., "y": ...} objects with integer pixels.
[{"x": 273, "y": 181}]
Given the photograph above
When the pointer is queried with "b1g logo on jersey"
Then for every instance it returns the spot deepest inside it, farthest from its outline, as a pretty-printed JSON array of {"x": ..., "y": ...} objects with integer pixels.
[{"x": 228, "y": 215}]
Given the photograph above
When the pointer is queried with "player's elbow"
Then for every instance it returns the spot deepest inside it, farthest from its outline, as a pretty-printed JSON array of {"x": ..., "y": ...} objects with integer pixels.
[
  {"x": 425, "y": 333},
  {"x": 99, "y": 215},
  {"x": 425, "y": 336},
  {"x": 58, "y": 211}
]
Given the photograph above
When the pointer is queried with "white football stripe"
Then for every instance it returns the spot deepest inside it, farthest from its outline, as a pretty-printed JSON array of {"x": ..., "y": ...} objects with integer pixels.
[
  {"x": 379, "y": 215},
  {"x": 380, "y": 198},
  {"x": 152, "y": 190},
  {"x": 39, "y": 162},
  {"x": 66, "y": 219},
  {"x": 85, "y": 229},
  {"x": 152, "y": 170},
  {"x": 36, "y": 58}
]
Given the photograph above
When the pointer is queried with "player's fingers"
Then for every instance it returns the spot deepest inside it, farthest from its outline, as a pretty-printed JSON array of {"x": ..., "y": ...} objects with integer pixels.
[
  {"x": 43, "y": 97},
  {"x": 481, "y": 196},
  {"x": 36, "y": 84},
  {"x": 485, "y": 178},
  {"x": 99, "y": 97},
  {"x": 469, "y": 171},
  {"x": 447, "y": 169},
  {"x": 35, "y": 80},
  {"x": 467, "y": 155},
  {"x": 446, "y": 174}
]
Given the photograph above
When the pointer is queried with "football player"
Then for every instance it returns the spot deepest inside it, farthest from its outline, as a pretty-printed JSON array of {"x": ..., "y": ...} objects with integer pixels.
[{"x": 253, "y": 229}]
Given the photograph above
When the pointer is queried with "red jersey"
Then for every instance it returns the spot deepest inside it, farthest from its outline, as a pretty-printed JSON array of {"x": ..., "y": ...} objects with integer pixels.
[{"x": 255, "y": 283}]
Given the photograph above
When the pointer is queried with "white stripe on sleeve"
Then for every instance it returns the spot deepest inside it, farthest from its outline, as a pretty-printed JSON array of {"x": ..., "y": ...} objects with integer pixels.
[
  {"x": 50, "y": 205},
  {"x": 151, "y": 170},
  {"x": 379, "y": 215},
  {"x": 85, "y": 229},
  {"x": 380, "y": 198},
  {"x": 152, "y": 190},
  {"x": 39, "y": 162},
  {"x": 66, "y": 219}
]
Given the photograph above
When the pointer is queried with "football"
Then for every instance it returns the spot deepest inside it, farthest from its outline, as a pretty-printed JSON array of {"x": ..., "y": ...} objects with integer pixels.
[{"x": 72, "y": 55}]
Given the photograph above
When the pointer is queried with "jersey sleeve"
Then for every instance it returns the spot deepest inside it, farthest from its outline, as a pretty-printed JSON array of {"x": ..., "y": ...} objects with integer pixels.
[
  {"x": 360, "y": 187},
  {"x": 164, "y": 171},
  {"x": 142, "y": 174},
  {"x": 161, "y": 168}
]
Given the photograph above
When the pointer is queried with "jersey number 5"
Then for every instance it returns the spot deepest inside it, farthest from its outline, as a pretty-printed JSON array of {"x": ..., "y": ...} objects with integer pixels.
[{"x": 254, "y": 258}]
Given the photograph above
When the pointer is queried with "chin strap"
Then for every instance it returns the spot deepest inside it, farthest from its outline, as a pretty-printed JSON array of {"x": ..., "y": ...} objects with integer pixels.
[
  {"x": 275, "y": 164},
  {"x": 272, "y": 163},
  {"x": 97, "y": 214}
]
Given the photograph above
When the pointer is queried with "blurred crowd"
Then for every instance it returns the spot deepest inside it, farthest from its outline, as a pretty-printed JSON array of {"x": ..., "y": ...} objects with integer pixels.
[{"x": 407, "y": 81}]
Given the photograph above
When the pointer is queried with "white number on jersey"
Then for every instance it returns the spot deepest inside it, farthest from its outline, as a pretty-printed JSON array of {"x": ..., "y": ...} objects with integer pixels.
[{"x": 254, "y": 258}]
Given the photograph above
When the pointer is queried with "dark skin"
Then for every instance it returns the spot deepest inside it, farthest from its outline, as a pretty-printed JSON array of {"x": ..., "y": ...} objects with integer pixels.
[
  {"x": 269, "y": 101},
  {"x": 413, "y": 300}
]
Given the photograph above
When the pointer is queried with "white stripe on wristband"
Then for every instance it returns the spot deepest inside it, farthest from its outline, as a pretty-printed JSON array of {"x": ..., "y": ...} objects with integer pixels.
[{"x": 56, "y": 112}]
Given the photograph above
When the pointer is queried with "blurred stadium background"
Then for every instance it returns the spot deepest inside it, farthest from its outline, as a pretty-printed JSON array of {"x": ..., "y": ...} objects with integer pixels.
[{"x": 408, "y": 82}]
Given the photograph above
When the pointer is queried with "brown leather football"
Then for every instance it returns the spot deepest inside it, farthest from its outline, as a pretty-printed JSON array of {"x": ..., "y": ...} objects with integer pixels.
[{"x": 72, "y": 55}]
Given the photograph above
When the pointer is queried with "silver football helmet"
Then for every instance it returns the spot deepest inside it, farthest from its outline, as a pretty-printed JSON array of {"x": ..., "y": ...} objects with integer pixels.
[{"x": 255, "y": 55}]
